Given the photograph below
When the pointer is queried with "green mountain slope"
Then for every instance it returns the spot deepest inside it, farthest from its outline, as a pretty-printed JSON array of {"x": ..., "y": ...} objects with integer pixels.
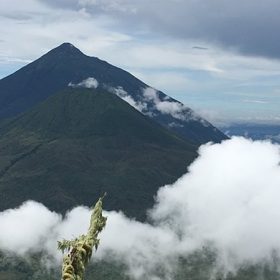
[
  {"x": 78, "y": 144},
  {"x": 66, "y": 64}
]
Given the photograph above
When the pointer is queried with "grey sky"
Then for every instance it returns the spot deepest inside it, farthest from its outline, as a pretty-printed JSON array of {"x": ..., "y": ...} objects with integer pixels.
[
  {"x": 249, "y": 26},
  {"x": 220, "y": 57}
]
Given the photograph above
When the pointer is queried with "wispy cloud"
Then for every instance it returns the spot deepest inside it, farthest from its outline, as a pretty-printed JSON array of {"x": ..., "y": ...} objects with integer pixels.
[
  {"x": 170, "y": 107},
  {"x": 120, "y": 92},
  {"x": 87, "y": 83},
  {"x": 255, "y": 101},
  {"x": 173, "y": 108}
]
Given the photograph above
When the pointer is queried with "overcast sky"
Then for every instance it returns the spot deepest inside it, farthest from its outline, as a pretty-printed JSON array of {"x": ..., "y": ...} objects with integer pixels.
[{"x": 220, "y": 57}]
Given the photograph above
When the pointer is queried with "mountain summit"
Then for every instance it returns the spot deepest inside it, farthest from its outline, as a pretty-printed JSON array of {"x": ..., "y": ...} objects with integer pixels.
[
  {"x": 66, "y": 66},
  {"x": 65, "y": 49}
]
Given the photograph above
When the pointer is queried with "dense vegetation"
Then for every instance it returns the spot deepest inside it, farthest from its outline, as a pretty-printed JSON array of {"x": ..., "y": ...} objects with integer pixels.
[
  {"x": 200, "y": 265},
  {"x": 80, "y": 143}
]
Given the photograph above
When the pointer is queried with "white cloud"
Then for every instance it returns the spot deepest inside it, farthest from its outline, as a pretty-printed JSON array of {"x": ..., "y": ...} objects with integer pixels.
[
  {"x": 173, "y": 108},
  {"x": 151, "y": 94},
  {"x": 229, "y": 197},
  {"x": 143, "y": 247},
  {"x": 87, "y": 83},
  {"x": 27, "y": 227},
  {"x": 120, "y": 92}
]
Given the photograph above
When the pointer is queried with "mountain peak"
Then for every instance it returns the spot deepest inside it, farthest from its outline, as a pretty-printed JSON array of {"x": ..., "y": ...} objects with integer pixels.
[
  {"x": 66, "y": 45},
  {"x": 67, "y": 65},
  {"x": 66, "y": 49}
]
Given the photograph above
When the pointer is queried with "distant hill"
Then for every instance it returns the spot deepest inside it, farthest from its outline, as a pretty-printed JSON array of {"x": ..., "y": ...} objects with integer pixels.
[
  {"x": 254, "y": 131},
  {"x": 78, "y": 144},
  {"x": 67, "y": 66}
]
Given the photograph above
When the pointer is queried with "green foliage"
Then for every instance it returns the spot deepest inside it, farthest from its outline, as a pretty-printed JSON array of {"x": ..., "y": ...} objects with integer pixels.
[
  {"x": 201, "y": 265},
  {"x": 28, "y": 267},
  {"x": 80, "y": 143},
  {"x": 80, "y": 249}
]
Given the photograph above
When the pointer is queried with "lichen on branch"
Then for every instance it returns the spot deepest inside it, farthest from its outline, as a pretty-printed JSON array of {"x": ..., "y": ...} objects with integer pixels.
[{"x": 79, "y": 250}]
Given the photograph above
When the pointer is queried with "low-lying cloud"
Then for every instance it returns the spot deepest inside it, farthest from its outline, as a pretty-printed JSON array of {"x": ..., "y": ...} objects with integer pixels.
[
  {"x": 151, "y": 104},
  {"x": 175, "y": 109},
  {"x": 120, "y": 92},
  {"x": 229, "y": 198},
  {"x": 24, "y": 229},
  {"x": 170, "y": 107},
  {"x": 90, "y": 82}
]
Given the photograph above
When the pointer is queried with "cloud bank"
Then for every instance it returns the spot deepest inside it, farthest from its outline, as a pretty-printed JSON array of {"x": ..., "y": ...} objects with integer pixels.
[{"x": 229, "y": 198}]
